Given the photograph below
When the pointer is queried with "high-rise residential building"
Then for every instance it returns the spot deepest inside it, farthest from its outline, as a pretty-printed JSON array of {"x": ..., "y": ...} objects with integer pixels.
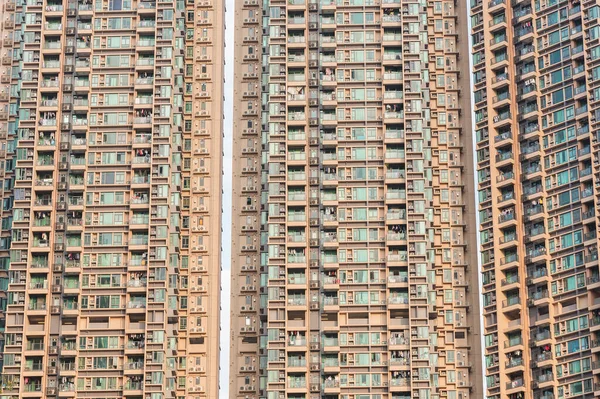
[
  {"x": 6, "y": 168},
  {"x": 354, "y": 256},
  {"x": 111, "y": 129},
  {"x": 536, "y": 93}
]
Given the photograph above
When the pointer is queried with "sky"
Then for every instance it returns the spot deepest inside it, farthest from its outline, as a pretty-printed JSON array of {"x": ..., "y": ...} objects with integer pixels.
[{"x": 227, "y": 195}]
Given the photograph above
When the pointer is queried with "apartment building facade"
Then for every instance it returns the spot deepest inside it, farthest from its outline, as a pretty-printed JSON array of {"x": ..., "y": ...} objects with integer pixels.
[
  {"x": 7, "y": 176},
  {"x": 111, "y": 126},
  {"x": 354, "y": 252},
  {"x": 535, "y": 75}
]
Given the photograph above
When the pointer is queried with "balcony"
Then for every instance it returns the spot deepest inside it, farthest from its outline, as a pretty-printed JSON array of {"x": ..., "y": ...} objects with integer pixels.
[
  {"x": 296, "y": 196},
  {"x": 391, "y": 18},
  {"x": 399, "y": 382},
  {"x": 296, "y": 116},
  {"x": 398, "y": 278},
  {"x": 34, "y": 366},
  {"x": 296, "y": 156},
  {"x": 499, "y": 58},
  {"x": 503, "y": 156},
  {"x": 296, "y": 384},
  {"x": 502, "y": 117},
  {"x": 147, "y": 5},
  {"x": 142, "y": 120},
  {"x": 542, "y": 378},
  {"x": 328, "y": 280},
  {"x": 541, "y": 336},
  {"x": 498, "y": 39},
  {"x": 532, "y": 169},
  {"x": 512, "y": 342},
  {"x": 70, "y": 305},
  {"x": 299, "y": 301},
  {"x": 300, "y": 280},
  {"x": 399, "y": 257},
  {"x": 297, "y": 341},
  {"x": 40, "y": 243},
  {"x": 296, "y": 39},
  {"x": 52, "y": 45},
  {"x": 46, "y": 122},
  {"x": 500, "y": 78},
  {"x": 136, "y": 304},
  {"x": 507, "y": 215},
  {"x": 523, "y": 31},
  {"x": 544, "y": 356},
  {"x": 296, "y": 217},
  {"x": 396, "y": 236},
  {"x": 538, "y": 273},
  {"x": 524, "y": 50},
  {"x": 514, "y": 362},
  {"x": 329, "y": 259},
  {"x": 392, "y": 56},
  {"x": 394, "y": 115},
  {"x": 134, "y": 385},
  {"x": 296, "y": 259},
  {"x": 145, "y": 61},
  {"x": 296, "y": 362},
  {"x": 35, "y": 346},
  {"x": 33, "y": 387},
  {"x": 509, "y": 259},
  {"x": 392, "y": 195},
  {"x": 331, "y": 384},
  {"x": 503, "y": 136},
  {"x": 511, "y": 301},
  {"x": 144, "y": 81},
  {"x": 393, "y": 95},
  {"x": 505, "y": 176},
  {"x": 506, "y": 197},
  {"x": 398, "y": 300},
  {"x": 38, "y": 285},
  {"x": 136, "y": 283},
  {"x": 515, "y": 384},
  {"x": 510, "y": 280},
  {"x": 521, "y": 12},
  {"x": 392, "y": 76}
]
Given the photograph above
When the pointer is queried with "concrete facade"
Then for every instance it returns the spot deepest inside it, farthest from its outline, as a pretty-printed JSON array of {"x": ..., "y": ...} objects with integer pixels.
[
  {"x": 536, "y": 108},
  {"x": 111, "y": 115},
  {"x": 354, "y": 251}
]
